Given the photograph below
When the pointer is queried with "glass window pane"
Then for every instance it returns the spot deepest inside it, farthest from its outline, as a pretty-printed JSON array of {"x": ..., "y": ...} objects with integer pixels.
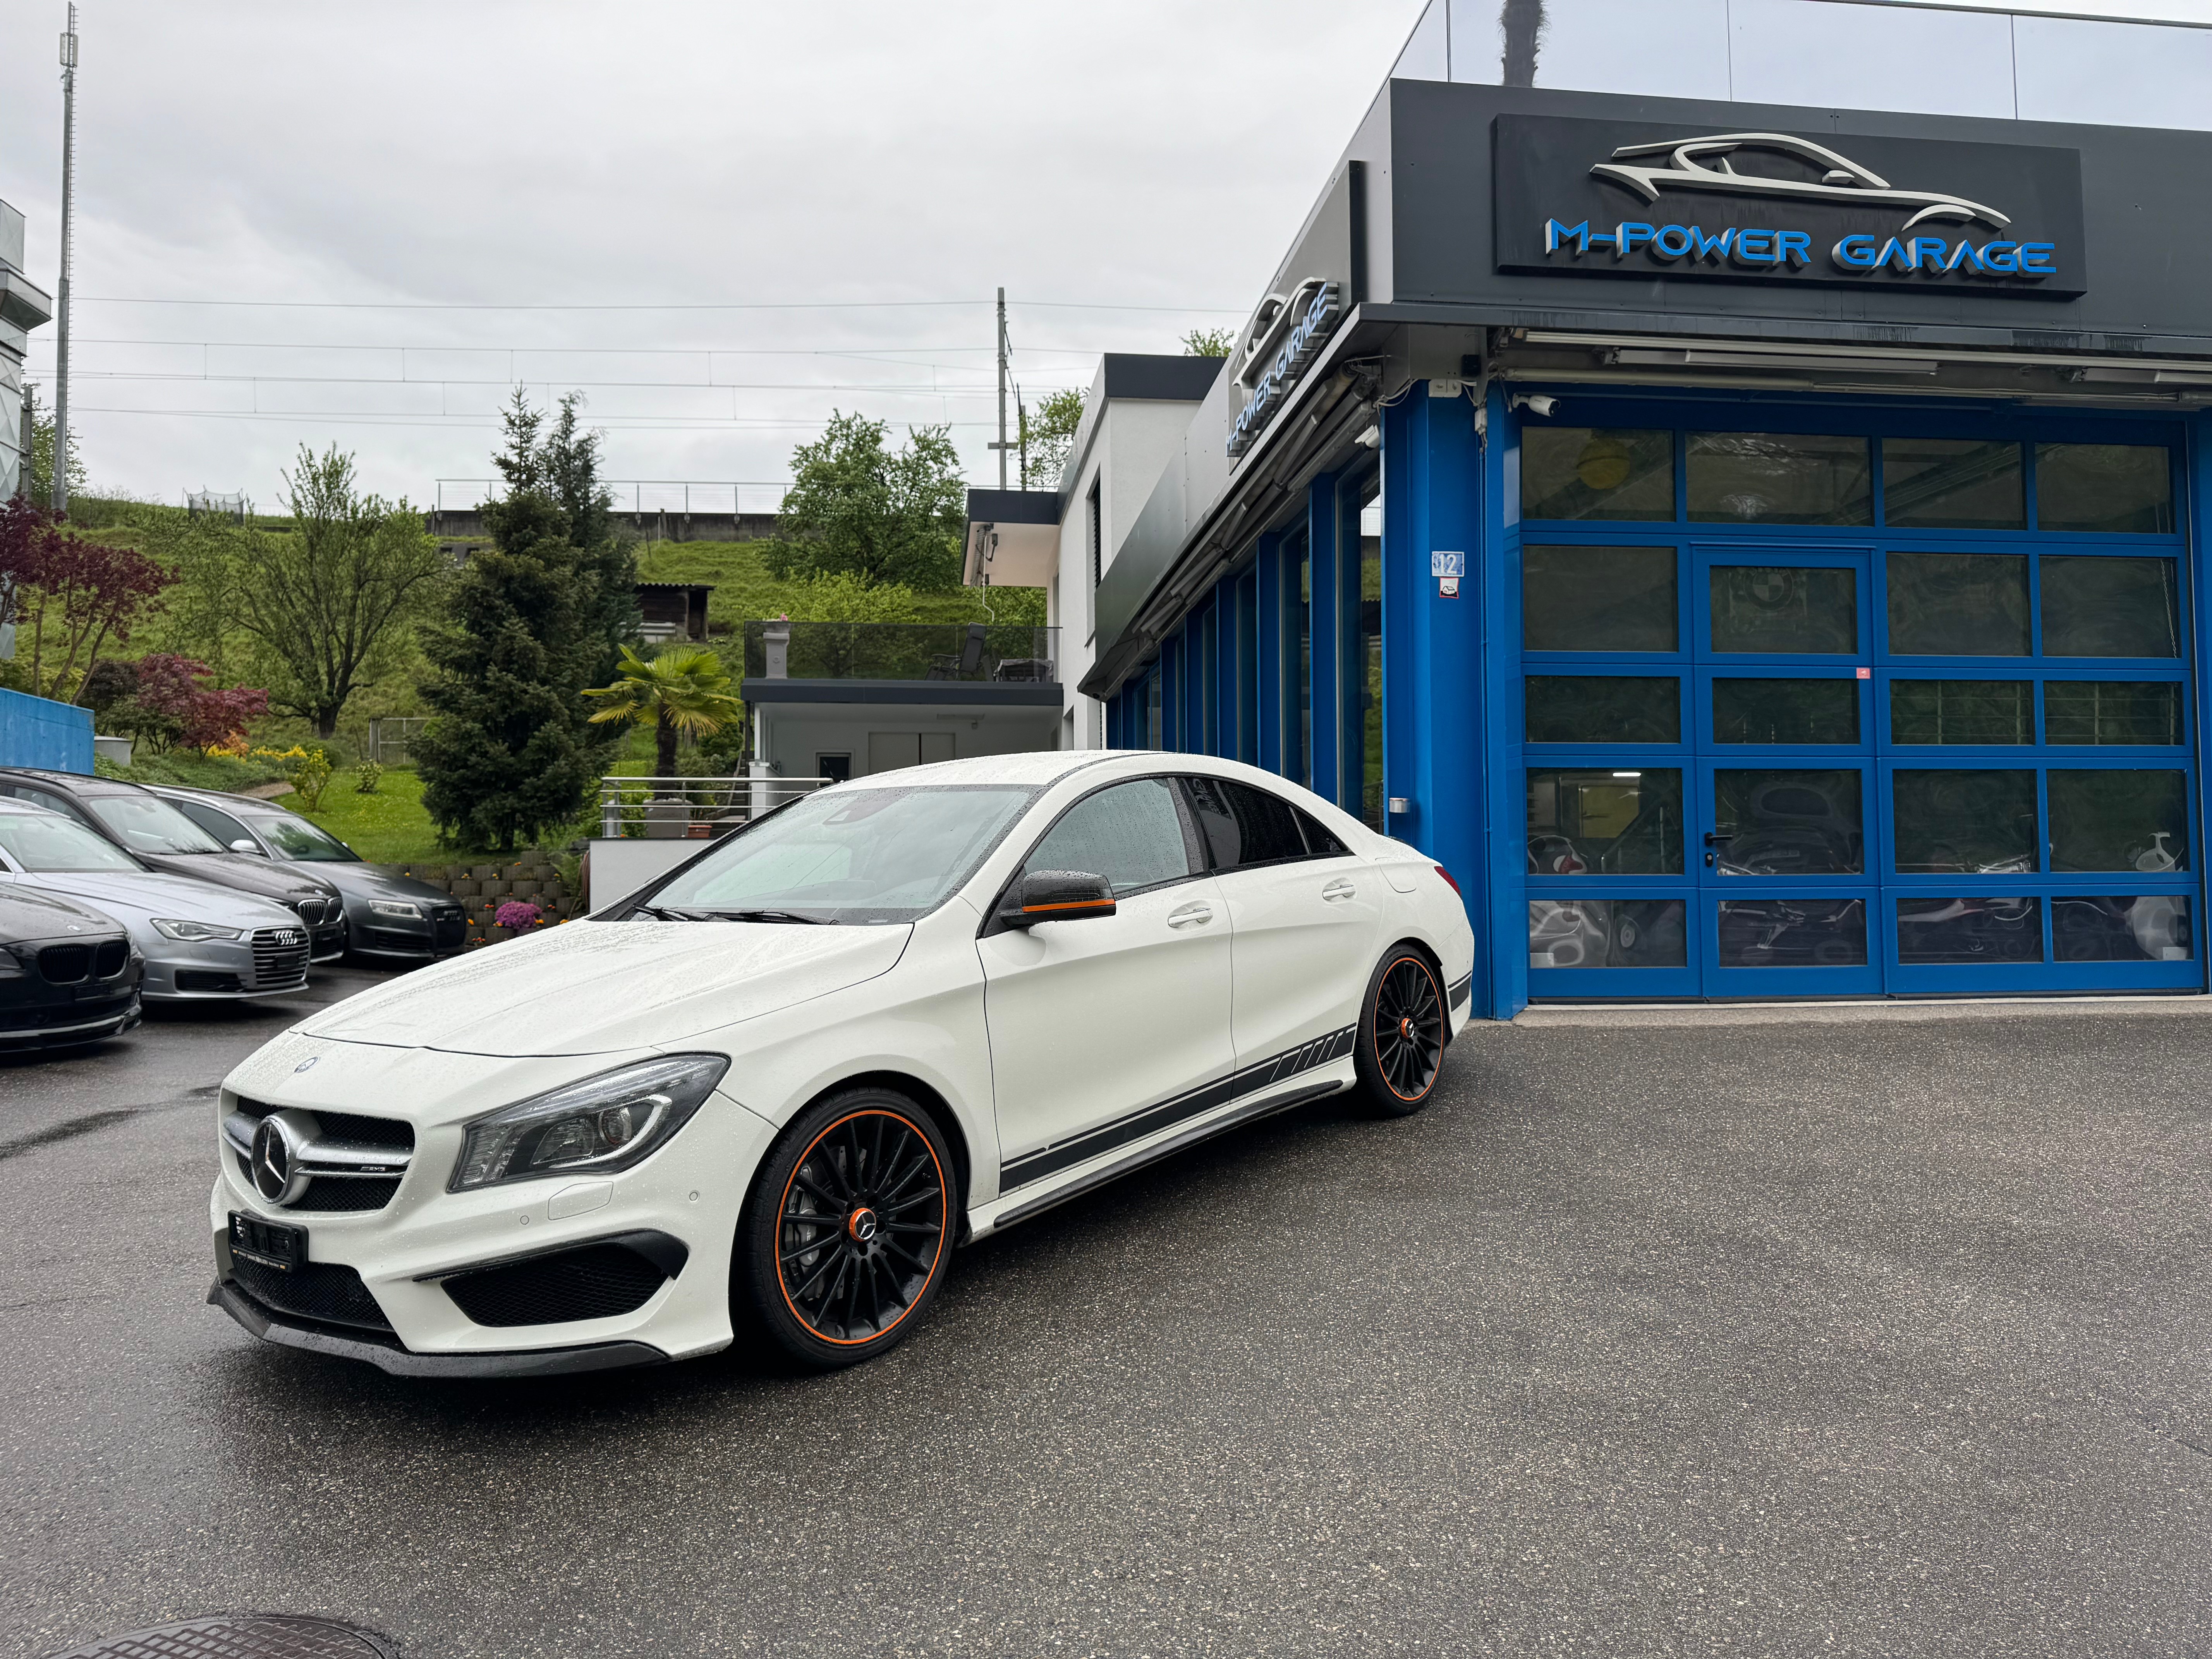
[
  {"x": 1785, "y": 711},
  {"x": 1604, "y": 820},
  {"x": 1597, "y": 472},
  {"x": 1953, "y": 484},
  {"x": 2109, "y": 487},
  {"x": 1131, "y": 834},
  {"x": 1961, "y": 711},
  {"x": 1607, "y": 933},
  {"x": 1959, "y": 605},
  {"x": 2108, "y": 929},
  {"x": 1367, "y": 656},
  {"x": 1598, "y": 598},
  {"x": 2114, "y": 820},
  {"x": 1793, "y": 932},
  {"x": 2094, "y": 607},
  {"x": 1788, "y": 823},
  {"x": 1779, "y": 477},
  {"x": 1981, "y": 822},
  {"x": 2112, "y": 711},
  {"x": 2004, "y": 929},
  {"x": 1785, "y": 610},
  {"x": 1603, "y": 708}
]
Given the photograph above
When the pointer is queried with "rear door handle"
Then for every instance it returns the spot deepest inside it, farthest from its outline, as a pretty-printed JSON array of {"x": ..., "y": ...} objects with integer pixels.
[
  {"x": 1191, "y": 916},
  {"x": 1340, "y": 888}
]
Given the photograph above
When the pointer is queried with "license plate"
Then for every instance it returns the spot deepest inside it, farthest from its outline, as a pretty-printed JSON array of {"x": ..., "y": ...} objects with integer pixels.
[{"x": 268, "y": 1242}]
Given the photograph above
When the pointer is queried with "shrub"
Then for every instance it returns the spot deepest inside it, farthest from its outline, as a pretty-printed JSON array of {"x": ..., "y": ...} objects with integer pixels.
[
  {"x": 309, "y": 770},
  {"x": 368, "y": 777}
]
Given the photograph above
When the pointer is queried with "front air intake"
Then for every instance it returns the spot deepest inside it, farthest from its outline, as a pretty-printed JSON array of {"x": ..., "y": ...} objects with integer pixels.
[{"x": 598, "y": 1280}]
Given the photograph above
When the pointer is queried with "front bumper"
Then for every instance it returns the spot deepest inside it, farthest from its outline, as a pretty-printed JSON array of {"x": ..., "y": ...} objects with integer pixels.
[
  {"x": 65, "y": 1025},
  {"x": 399, "y": 1362},
  {"x": 223, "y": 970}
]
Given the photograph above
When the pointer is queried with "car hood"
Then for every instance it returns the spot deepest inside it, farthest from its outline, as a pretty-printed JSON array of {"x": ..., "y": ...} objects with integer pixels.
[
  {"x": 370, "y": 880},
  {"x": 28, "y": 913},
  {"x": 591, "y": 987},
  {"x": 242, "y": 872},
  {"x": 154, "y": 893}
]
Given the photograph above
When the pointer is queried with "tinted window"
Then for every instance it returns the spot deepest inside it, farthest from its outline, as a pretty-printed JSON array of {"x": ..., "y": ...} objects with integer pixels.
[
  {"x": 295, "y": 838},
  {"x": 1320, "y": 843},
  {"x": 1597, "y": 472},
  {"x": 1772, "y": 478},
  {"x": 147, "y": 824},
  {"x": 1131, "y": 834},
  {"x": 1603, "y": 708},
  {"x": 1784, "y": 610},
  {"x": 2110, "y": 607},
  {"x": 1597, "y": 598},
  {"x": 2126, "y": 487},
  {"x": 1953, "y": 484},
  {"x": 1245, "y": 826},
  {"x": 1957, "y": 604},
  {"x": 223, "y": 827}
]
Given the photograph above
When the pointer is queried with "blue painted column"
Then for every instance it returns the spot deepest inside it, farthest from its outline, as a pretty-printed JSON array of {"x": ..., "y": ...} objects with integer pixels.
[
  {"x": 1266, "y": 678},
  {"x": 1225, "y": 700},
  {"x": 2197, "y": 456},
  {"x": 1437, "y": 748},
  {"x": 1325, "y": 545},
  {"x": 1244, "y": 668}
]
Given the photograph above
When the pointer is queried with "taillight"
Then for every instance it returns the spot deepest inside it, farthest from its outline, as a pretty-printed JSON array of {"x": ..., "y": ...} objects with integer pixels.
[{"x": 1449, "y": 882}]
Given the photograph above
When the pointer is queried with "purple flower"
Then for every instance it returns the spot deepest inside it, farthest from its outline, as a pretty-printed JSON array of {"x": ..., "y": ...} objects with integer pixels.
[{"x": 517, "y": 913}]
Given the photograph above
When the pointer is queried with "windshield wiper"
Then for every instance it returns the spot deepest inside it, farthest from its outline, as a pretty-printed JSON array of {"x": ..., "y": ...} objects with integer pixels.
[
  {"x": 769, "y": 915},
  {"x": 660, "y": 914}
]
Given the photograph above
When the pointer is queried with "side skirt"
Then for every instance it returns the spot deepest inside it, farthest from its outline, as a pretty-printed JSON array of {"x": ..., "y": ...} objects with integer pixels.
[{"x": 1190, "y": 1136}]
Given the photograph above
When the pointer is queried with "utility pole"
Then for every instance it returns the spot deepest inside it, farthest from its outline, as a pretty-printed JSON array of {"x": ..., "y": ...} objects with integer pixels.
[
  {"x": 62, "y": 292},
  {"x": 1002, "y": 446}
]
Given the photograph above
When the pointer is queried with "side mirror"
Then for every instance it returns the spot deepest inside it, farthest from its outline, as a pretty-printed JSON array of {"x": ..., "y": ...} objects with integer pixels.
[
  {"x": 243, "y": 846},
  {"x": 1056, "y": 896}
]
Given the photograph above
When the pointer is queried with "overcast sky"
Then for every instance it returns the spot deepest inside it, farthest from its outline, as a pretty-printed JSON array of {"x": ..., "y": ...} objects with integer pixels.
[
  {"x": 506, "y": 152},
  {"x": 721, "y": 220}
]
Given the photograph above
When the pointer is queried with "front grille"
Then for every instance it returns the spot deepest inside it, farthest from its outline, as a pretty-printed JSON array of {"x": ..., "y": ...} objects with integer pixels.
[
  {"x": 338, "y": 1194},
  {"x": 111, "y": 958},
  {"x": 275, "y": 961},
  {"x": 199, "y": 979},
  {"x": 314, "y": 911},
  {"x": 449, "y": 927},
  {"x": 593, "y": 1281},
  {"x": 321, "y": 1291},
  {"x": 64, "y": 964}
]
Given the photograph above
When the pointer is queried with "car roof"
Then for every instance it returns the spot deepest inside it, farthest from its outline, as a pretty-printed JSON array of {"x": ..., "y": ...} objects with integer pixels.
[
  {"x": 242, "y": 804},
  {"x": 76, "y": 783}
]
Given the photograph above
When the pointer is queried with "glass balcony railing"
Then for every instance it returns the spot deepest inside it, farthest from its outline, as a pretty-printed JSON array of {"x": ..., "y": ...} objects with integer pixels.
[
  {"x": 989, "y": 653},
  {"x": 2006, "y": 62}
]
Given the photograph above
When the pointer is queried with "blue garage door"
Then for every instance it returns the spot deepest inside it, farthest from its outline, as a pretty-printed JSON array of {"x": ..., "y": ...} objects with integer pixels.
[{"x": 1904, "y": 709}]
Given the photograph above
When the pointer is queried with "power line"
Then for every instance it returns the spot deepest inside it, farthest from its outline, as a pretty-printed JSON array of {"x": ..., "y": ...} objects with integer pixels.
[
  {"x": 487, "y": 423},
  {"x": 685, "y": 304}
]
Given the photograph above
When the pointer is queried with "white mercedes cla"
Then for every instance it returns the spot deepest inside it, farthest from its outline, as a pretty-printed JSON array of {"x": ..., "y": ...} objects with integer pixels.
[{"x": 762, "y": 1099}]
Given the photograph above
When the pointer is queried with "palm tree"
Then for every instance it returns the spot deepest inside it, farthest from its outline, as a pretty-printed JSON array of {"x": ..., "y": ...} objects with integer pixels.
[{"x": 686, "y": 690}]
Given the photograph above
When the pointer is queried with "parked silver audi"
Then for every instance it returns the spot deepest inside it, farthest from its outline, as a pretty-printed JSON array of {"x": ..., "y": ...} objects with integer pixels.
[{"x": 200, "y": 941}]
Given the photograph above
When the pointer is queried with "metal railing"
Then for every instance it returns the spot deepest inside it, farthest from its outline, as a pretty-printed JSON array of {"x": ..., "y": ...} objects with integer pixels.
[
  {"x": 636, "y": 495},
  {"x": 392, "y": 737},
  {"x": 678, "y": 809},
  {"x": 987, "y": 652}
]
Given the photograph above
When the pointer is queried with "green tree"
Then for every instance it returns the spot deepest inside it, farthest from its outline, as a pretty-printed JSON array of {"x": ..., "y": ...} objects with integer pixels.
[
  {"x": 683, "y": 689},
  {"x": 858, "y": 507},
  {"x": 511, "y": 750},
  {"x": 1048, "y": 437},
  {"x": 1209, "y": 341},
  {"x": 570, "y": 460},
  {"x": 327, "y": 604},
  {"x": 37, "y": 480}
]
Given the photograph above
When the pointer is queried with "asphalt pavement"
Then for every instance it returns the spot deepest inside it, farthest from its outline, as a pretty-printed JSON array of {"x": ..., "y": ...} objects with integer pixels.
[{"x": 1865, "y": 1332}]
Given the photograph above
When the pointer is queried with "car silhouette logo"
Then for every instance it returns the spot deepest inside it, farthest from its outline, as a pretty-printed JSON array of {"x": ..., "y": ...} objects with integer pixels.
[{"x": 1702, "y": 164}]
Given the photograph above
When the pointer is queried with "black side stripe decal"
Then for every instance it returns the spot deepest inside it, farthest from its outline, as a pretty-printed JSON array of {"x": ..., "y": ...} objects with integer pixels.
[
  {"x": 1459, "y": 993},
  {"x": 1049, "y": 1160}
]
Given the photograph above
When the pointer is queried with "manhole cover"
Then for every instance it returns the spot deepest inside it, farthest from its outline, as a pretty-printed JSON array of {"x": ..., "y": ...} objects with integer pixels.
[{"x": 243, "y": 1635}]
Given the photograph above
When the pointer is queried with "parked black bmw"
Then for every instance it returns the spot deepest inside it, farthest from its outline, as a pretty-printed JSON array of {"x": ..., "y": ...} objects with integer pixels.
[
  {"x": 68, "y": 974},
  {"x": 141, "y": 822},
  {"x": 387, "y": 915}
]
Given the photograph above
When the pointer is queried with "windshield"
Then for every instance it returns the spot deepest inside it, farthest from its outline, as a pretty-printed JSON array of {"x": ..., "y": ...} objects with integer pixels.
[
  {"x": 295, "y": 838},
  {"x": 40, "y": 841},
  {"x": 146, "y": 824},
  {"x": 853, "y": 856}
]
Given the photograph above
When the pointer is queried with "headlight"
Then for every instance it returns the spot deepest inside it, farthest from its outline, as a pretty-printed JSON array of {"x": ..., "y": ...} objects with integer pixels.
[
  {"x": 10, "y": 967},
  {"x": 396, "y": 908},
  {"x": 195, "y": 930},
  {"x": 603, "y": 1123}
]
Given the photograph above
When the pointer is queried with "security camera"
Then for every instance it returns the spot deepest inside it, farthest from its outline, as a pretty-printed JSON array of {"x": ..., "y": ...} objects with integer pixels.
[
  {"x": 1370, "y": 439},
  {"x": 1542, "y": 406}
]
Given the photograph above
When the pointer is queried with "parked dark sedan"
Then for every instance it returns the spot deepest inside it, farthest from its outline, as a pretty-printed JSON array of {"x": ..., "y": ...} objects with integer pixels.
[
  {"x": 68, "y": 974},
  {"x": 135, "y": 818},
  {"x": 387, "y": 915}
]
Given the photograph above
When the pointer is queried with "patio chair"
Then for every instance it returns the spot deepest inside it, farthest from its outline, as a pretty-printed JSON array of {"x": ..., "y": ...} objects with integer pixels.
[{"x": 946, "y": 665}]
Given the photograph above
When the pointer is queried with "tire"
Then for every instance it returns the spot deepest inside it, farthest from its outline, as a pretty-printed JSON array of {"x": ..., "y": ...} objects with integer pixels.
[
  {"x": 841, "y": 1289},
  {"x": 1398, "y": 1051}
]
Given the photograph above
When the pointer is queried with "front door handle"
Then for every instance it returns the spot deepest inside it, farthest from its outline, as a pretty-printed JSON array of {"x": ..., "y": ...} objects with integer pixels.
[
  {"x": 1195, "y": 915},
  {"x": 1339, "y": 889}
]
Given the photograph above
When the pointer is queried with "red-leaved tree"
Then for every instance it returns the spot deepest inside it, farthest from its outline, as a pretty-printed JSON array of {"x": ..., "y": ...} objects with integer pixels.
[
  {"x": 69, "y": 598},
  {"x": 172, "y": 703}
]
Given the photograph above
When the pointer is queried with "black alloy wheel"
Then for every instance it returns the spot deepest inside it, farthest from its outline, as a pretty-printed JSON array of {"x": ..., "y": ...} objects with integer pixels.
[
  {"x": 848, "y": 1228},
  {"x": 1402, "y": 1034}
]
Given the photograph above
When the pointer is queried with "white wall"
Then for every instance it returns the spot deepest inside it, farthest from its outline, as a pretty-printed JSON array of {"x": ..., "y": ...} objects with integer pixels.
[{"x": 799, "y": 733}]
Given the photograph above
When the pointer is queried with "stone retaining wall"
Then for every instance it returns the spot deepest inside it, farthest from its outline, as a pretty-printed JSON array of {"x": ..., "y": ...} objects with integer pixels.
[{"x": 482, "y": 888}]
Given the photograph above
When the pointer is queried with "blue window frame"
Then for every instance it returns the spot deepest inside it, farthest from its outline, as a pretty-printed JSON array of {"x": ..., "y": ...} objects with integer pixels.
[{"x": 1984, "y": 781}]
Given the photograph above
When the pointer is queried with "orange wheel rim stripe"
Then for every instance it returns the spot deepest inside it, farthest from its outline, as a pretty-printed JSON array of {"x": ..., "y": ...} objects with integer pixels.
[
  {"x": 937, "y": 1257},
  {"x": 1424, "y": 968}
]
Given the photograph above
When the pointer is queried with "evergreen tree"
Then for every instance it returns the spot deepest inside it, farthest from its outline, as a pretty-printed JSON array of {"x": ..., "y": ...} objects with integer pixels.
[{"x": 512, "y": 752}]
